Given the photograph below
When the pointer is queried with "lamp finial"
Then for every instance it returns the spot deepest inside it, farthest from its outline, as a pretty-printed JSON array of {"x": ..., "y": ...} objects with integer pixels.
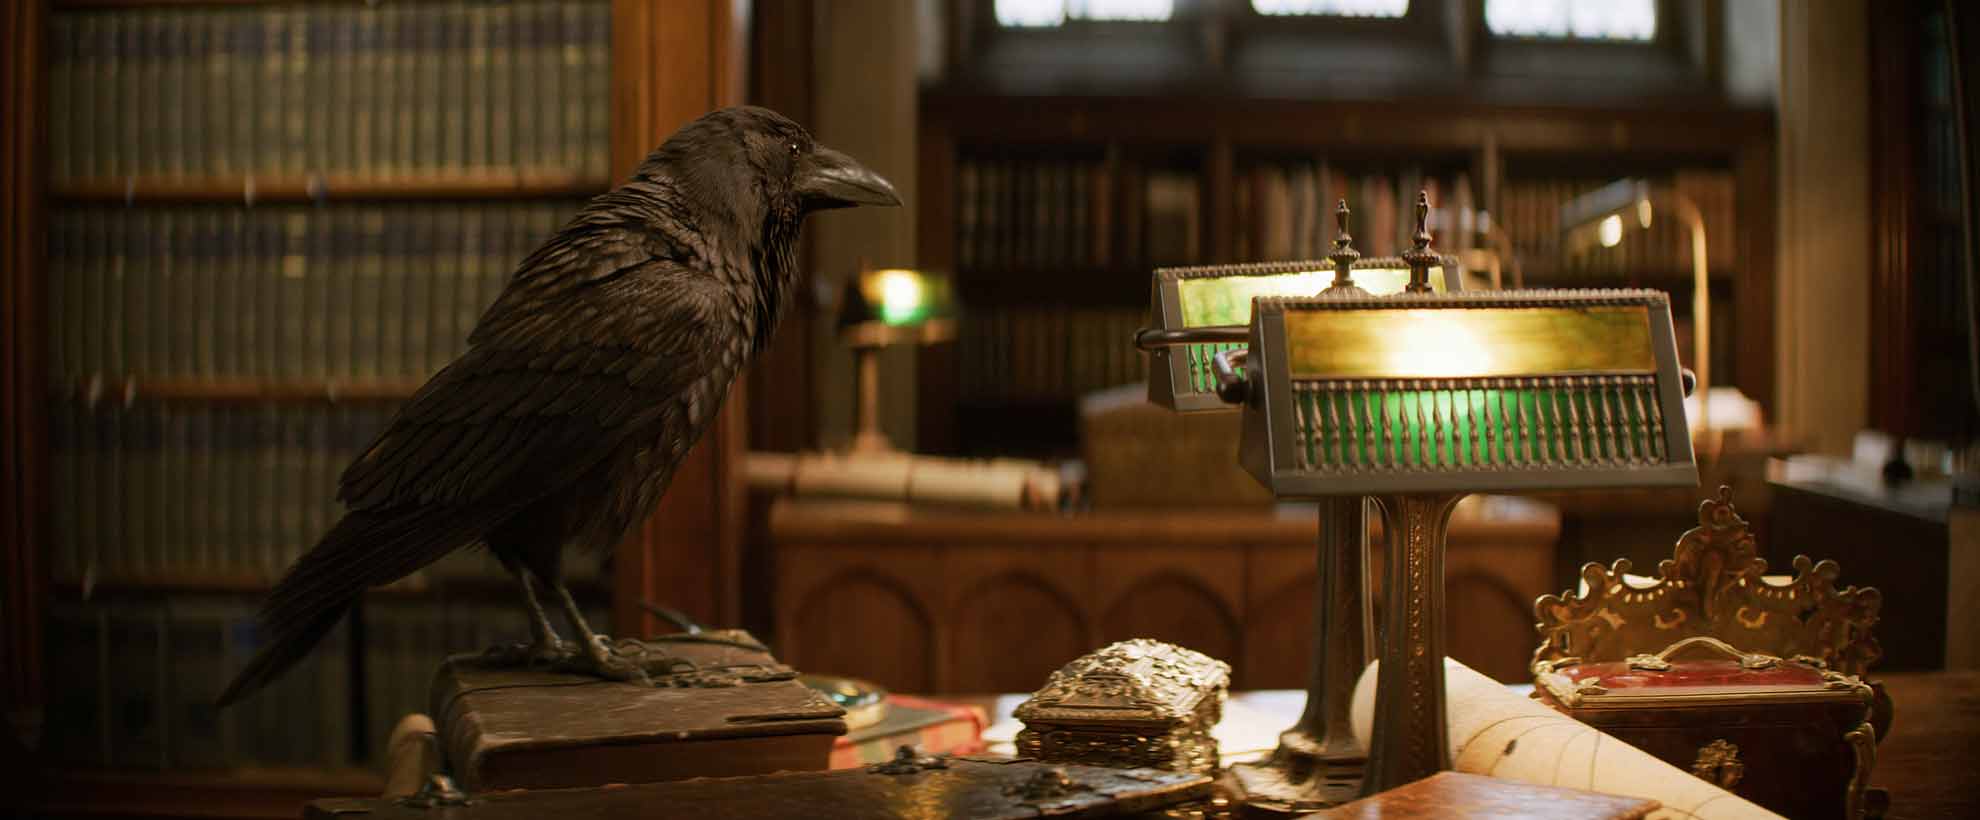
[
  {"x": 1420, "y": 257},
  {"x": 1343, "y": 257}
]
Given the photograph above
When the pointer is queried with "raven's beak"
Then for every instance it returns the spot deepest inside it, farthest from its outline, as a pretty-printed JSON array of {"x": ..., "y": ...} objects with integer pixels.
[{"x": 830, "y": 179}]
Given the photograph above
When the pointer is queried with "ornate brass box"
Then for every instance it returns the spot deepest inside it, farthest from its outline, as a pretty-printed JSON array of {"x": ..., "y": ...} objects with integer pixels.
[
  {"x": 1751, "y": 684},
  {"x": 1133, "y": 704}
]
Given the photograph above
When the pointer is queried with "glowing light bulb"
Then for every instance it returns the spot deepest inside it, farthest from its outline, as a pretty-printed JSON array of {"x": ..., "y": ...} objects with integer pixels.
[
  {"x": 1643, "y": 213},
  {"x": 900, "y": 296},
  {"x": 1611, "y": 230}
]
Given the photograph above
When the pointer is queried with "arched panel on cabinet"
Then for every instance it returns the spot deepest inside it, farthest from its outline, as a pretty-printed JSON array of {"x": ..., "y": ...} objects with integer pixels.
[
  {"x": 1172, "y": 607},
  {"x": 866, "y": 625},
  {"x": 1011, "y": 631}
]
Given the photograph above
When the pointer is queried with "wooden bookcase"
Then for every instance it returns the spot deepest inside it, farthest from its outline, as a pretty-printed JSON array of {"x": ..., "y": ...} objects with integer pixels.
[
  {"x": 1219, "y": 135},
  {"x": 671, "y": 61}
]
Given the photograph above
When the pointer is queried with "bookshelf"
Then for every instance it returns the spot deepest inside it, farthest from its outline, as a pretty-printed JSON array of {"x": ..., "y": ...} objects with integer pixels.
[
  {"x": 240, "y": 233},
  {"x": 1920, "y": 385},
  {"x": 1257, "y": 173}
]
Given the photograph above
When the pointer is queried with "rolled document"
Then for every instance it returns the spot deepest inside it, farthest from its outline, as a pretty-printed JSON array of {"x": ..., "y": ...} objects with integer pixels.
[{"x": 1499, "y": 733}]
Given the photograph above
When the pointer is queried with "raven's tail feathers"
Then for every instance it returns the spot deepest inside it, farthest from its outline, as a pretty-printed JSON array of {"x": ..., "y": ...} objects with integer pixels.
[{"x": 365, "y": 549}]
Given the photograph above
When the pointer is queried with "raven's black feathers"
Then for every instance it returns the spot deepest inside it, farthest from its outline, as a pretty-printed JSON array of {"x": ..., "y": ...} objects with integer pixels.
[{"x": 585, "y": 383}]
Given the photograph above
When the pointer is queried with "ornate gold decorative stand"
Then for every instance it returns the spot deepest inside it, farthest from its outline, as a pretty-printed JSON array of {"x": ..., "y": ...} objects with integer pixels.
[
  {"x": 1318, "y": 763},
  {"x": 1411, "y": 740}
]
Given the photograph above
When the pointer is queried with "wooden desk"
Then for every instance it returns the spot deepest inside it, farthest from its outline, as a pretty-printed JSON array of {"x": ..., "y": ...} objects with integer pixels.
[
  {"x": 931, "y": 601},
  {"x": 1930, "y": 764}
]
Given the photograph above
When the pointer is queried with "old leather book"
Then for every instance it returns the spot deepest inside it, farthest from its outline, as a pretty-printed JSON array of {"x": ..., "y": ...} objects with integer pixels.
[
  {"x": 1455, "y": 794},
  {"x": 724, "y": 707},
  {"x": 977, "y": 788}
]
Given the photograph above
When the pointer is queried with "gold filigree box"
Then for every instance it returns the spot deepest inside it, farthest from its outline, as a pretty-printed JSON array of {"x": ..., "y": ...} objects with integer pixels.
[
  {"x": 1747, "y": 682},
  {"x": 1138, "y": 703}
]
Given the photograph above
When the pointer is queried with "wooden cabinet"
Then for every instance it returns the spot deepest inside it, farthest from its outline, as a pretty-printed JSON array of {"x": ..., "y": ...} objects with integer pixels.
[{"x": 924, "y": 601}]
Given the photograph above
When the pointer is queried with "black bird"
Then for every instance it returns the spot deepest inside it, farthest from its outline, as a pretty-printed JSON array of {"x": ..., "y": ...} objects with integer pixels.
[{"x": 596, "y": 369}]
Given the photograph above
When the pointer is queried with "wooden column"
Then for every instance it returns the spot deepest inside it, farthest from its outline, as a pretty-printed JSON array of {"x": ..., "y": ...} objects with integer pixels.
[
  {"x": 23, "y": 423},
  {"x": 672, "y": 61}
]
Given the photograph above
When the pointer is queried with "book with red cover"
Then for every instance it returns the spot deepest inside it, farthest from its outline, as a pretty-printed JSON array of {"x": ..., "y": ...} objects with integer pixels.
[{"x": 930, "y": 726}]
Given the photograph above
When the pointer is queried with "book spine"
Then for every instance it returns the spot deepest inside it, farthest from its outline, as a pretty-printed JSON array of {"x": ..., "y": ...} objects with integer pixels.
[
  {"x": 571, "y": 85},
  {"x": 369, "y": 309},
  {"x": 454, "y": 33},
  {"x": 83, "y": 100},
  {"x": 598, "y": 96},
  {"x": 403, "y": 45},
  {"x": 503, "y": 41},
  {"x": 148, "y": 91},
  {"x": 481, "y": 83},
  {"x": 138, "y": 713},
  {"x": 197, "y": 637}
]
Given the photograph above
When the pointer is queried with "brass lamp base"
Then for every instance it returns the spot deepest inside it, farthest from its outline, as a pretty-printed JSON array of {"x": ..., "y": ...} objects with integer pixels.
[
  {"x": 1318, "y": 764},
  {"x": 1411, "y": 740},
  {"x": 1297, "y": 779}
]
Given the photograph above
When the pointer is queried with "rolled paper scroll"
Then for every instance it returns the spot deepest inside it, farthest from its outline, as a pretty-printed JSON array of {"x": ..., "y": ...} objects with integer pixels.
[{"x": 1498, "y": 733}]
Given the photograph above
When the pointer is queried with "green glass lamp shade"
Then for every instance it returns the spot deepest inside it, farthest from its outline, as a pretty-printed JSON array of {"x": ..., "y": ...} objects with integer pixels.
[
  {"x": 886, "y": 306},
  {"x": 1424, "y": 392},
  {"x": 1220, "y": 296}
]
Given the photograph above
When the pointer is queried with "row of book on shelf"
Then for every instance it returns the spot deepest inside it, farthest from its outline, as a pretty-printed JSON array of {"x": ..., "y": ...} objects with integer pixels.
[
  {"x": 342, "y": 292},
  {"x": 1530, "y": 213},
  {"x": 1285, "y": 209},
  {"x": 1046, "y": 353},
  {"x": 1034, "y": 214},
  {"x": 138, "y": 679},
  {"x": 393, "y": 89},
  {"x": 208, "y": 490}
]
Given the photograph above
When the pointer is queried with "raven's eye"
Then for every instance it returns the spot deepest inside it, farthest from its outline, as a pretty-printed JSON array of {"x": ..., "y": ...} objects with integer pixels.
[{"x": 794, "y": 149}]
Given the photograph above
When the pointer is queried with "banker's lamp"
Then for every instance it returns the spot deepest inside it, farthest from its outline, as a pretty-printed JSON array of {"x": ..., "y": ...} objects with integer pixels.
[
  {"x": 1204, "y": 312},
  {"x": 885, "y": 307},
  {"x": 1421, "y": 398},
  {"x": 1201, "y": 311},
  {"x": 1605, "y": 217}
]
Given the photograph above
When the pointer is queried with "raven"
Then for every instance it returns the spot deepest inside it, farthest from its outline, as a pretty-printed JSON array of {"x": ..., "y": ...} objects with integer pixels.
[{"x": 583, "y": 386}]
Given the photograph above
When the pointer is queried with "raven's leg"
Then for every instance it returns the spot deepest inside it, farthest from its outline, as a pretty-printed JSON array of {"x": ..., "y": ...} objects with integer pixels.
[
  {"x": 596, "y": 656},
  {"x": 545, "y": 649}
]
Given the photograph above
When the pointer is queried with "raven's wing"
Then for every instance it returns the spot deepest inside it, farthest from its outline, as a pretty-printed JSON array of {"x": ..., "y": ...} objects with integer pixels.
[{"x": 559, "y": 370}]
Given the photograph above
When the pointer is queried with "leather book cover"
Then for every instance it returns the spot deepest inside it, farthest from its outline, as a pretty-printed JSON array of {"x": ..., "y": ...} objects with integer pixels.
[
  {"x": 735, "y": 712},
  {"x": 1455, "y": 794}
]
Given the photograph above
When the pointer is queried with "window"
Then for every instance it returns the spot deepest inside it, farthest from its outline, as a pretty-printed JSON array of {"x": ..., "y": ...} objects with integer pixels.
[
  {"x": 1332, "y": 8},
  {"x": 1624, "y": 20},
  {"x": 1052, "y": 13}
]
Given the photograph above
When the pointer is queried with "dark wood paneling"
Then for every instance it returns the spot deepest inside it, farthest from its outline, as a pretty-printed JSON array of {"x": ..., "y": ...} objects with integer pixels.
[
  {"x": 828, "y": 625},
  {"x": 1012, "y": 596},
  {"x": 1893, "y": 232},
  {"x": 1011, "y": 632},
  {"x": 672, "y": 62},
  {"x": 23, "y": 377}
]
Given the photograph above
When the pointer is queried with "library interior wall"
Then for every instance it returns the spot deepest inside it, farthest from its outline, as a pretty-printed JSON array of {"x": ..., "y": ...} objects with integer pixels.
[
  {"x": 1822, "y": 292},
  {"x": 865, "y": 58}
]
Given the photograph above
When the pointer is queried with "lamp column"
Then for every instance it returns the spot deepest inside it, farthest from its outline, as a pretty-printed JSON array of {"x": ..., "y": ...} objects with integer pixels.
[
  {"x": 1318, "y": 763},
  {"x": 1410, "y": 739}
]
